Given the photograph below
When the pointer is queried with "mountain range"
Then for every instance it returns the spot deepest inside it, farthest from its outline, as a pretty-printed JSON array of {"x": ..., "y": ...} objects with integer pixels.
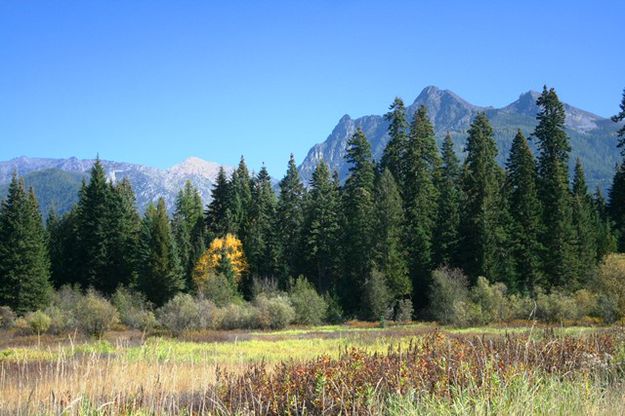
[
  {"x": 593, "y": 140},
  {"x": 57, "y": 181}
]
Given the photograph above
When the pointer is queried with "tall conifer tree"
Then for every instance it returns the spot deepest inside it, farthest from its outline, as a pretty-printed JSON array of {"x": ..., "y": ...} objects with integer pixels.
[
  {"x": 525, "y": 210},
  {"x": 421, "y": 161},
  {"x": 188, "y": 227},
  {"x": 616, "y": 206},
  {"x": 289, "y": 223},
  {"x": 24, "y": 261},
  {"x": 160, "y": 273},
  {"x": 219, "y": 212},
  {"x": 259, "y": 246},
  {"x": 585, "y": 225},
  {"x": 559, "y": 234},
  {"x": 446, "y": 235},
  {"x": 358, "y": 217}
]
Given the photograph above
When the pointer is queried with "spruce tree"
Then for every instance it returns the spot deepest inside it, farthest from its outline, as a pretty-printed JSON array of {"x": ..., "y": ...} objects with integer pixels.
[
  {"x": 188, "y": 227},
  {"x": 93, "y": 230},
  {"x": 240, "y": 199},
  {"x": 553, "y": 189},
  {"x": 160, "y": 274},
  {"x": 525, "y": 210},
  {"x": 483, "y": 220},
  {"x": 446, "y": 235},
  {"x": 420, "y": 198},
  {"x": 219, "y": 211},
  {"x": 389, "y": 251},
  {"x": 358, "y": 216},
  {"x": 24, "y": 261},
  {"x": 322, "y": 229},
  {"x": 584, "y": 223},
  {"x": 123, "y": 236},
  {"x": 393, "y": 156},
  {"x": 259, "y": 245},
  {"x": 64, "y": 252},
  {"x": 289, "y": 224},
  {"x": 616, "y": 195},
  {"x": 606, "y": 238}
]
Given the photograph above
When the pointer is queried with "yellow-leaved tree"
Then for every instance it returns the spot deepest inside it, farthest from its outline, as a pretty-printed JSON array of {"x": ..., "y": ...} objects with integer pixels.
[{"x": 224, "y": 256}]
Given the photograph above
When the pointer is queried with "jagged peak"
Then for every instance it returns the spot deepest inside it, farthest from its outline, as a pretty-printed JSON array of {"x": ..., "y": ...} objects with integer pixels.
[{"x": 196, "y": 166}]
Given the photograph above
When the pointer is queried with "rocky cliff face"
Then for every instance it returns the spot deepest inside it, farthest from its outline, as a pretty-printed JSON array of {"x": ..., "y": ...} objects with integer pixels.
[{"x": 593, "y": 138}]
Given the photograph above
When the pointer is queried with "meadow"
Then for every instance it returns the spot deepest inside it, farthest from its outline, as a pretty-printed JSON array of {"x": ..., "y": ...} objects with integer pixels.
[{"x": 356, "y": 368}]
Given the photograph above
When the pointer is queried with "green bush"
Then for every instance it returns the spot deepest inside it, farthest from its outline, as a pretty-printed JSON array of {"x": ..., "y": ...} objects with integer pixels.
[
  {"x": 62, "y": 309},
  {"x": 377, "y": 298},
  {"x": 334, "y": 313},
  {"x": 7, "y": 317},
  {"x": 310, "y": 307},
  {"x": 273, "y": 312},
  {"x": 179, "y": 314},
  {"x": 556, "y": 306},
  {"x": 38, "y": 322},
  {"x": 133, "y": 309},
  {"x": 403, "y": 310},
  {"x": 237, "y": 316},
  {"x": 95, "y": 315},
  {"x": 220, "y": 290},
  {"x": 610, "y": 285},
  {"x": 491, "y": 303},
  {"x": 449, "y": 296}
]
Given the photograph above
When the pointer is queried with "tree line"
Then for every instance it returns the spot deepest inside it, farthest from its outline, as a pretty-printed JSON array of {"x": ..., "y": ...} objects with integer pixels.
[{"x": 374, "y": 239}]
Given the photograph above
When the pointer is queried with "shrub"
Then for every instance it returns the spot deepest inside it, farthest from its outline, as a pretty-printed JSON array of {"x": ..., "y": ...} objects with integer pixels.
[
  {"x": 237, "y": 316},
  {"x": 449, "y": 296},
  {"x": 133, "y": 309},
  {"x": 62, "y": 309},
  {"x": 611, "y": 286},
  {"x": 95, "y": 315},
  {"x": 310, "y": 308},
  {"x": 555, "y": 306},
  {"x": 207, "y": 313},
  {"x": 179, "y": 314},
  {"x": 586, "y": 303},
  {"x": 334, "y": 313},
  {"x": 491, "y": 304},
  {"x": 220, "y": 290},
  {"x": 7, "y": 317},
  {"x": 273, "y": 312},
  {"x": 38, "y": 322},
  {"x": 403, "y": 311},
  {"x": 377, "y": 297}
]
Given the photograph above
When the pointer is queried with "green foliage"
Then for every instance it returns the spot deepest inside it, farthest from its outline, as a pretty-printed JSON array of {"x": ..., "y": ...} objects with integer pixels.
[
  {"x": 220, "y": 290},
  {"x": 394, "y": 152},
  {"x": 558, "y": 233},
  {"x": 449, "y": 295},
  {"x": 219, "y": 214},
  {"x": 526, "y": 214},
  {"x": 160, "y": 275},
  {"x": 617, "y": 119},
  {"x": 445, "y": 244},
  {"x": 377, "y": 299},
  {"x": 421, "y": 162},
  {"x": 24, "y": 260},
  {"x": 179, "y": 314},
  {"x": 334, "y": 314},
  {"x": 273, "y": 312},
  {"x": 610, "y": 285},
  {"x": 310, "y": 307},
  {"x": 585, "y": 226},
  {"x": 95, "y": 315},
  {"x": 38, "y": 322},
  {"x": 7, "y": 317},
  {"x": 403, "y": 312},
  {"x": 289, "y": 223},
  {"x": 133, "y": 309}
]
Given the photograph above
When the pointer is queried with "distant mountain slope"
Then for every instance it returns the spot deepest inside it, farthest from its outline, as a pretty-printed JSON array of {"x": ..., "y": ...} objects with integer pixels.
[
  {"x": 593, "y": 138},
  {"x": 57, "y": 181}
]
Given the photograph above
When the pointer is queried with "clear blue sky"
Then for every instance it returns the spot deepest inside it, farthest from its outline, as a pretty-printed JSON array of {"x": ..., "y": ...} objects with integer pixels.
[{"x": 153, "y": 82}]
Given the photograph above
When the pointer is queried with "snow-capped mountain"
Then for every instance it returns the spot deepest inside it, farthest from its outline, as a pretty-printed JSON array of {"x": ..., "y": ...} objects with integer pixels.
[{"x": 56, "y": 181}]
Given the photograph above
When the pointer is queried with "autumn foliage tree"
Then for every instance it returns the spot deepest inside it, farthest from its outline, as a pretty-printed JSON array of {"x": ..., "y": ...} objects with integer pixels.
[{"x": 224, "y": 256}]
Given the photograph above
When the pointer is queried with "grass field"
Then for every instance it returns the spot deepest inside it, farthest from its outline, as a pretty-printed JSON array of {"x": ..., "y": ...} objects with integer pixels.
[{"x": 363, "y": 369}]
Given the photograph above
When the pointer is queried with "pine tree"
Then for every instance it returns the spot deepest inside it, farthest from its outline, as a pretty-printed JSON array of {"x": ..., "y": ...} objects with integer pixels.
[
  {"x": 617, "y": 119},
  {"x": 394, "y": 152},
  {"x": 321, "y": 229},
  {"x": 420, "y": 198},
  {"x": 219, "y": 211},
  {"x": 188, "y": 227},
  {"x": 446, "y": 235},
  {"x": 259, "y": 245},
  {"x": 483, "y": 220},
  {"x": 558, "y": 231},
  {"x": 616, "y": 206},
  {"x": 63, "y": 250},
  {"x": 240, "y": 199},
  {"x": 289, "y": 223},
  {"x": 584, "y": 223},
  {"x": 358, "y": 216},
  {"x": 93, "y": 230},
  {"x": 389, "y": 250},
  {"x": 606, "y": 238},
  {"x": 522, "y": 193},
  {"x": 160, "y": 273},
  {"x": 24, "y": 261},
  {"x": 123, "y": 236}
]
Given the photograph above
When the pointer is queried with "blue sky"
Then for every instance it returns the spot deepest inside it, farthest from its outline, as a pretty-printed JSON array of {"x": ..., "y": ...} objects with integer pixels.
[{"x": 154, "y": 82}]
